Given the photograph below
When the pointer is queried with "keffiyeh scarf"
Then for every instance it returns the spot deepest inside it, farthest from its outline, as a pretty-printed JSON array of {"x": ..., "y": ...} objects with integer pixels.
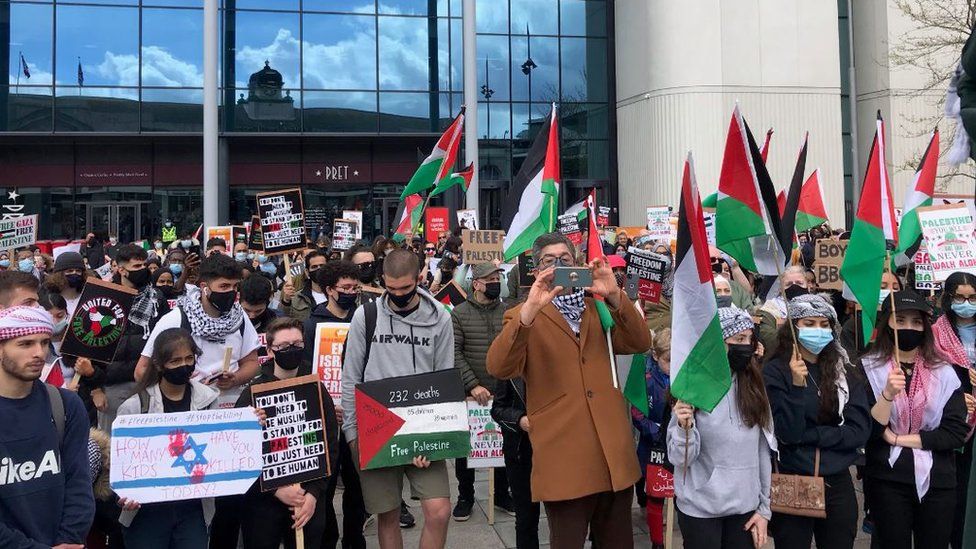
[
  {"x": 144, "y": 309},
  {"x": 571, "y": 306},
  {"x": 214, "y": 330}
]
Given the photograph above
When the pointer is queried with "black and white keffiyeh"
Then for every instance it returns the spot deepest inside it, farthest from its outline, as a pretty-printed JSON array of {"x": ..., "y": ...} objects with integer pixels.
[
  {"x": 214, "y": 330},
  {"x": 144, "y": 309},
  {"x": 571, "y": 306}
]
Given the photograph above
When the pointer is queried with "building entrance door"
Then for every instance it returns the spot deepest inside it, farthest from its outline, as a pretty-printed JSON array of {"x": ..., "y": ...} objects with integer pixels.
[{"x": 121, "y": 220}]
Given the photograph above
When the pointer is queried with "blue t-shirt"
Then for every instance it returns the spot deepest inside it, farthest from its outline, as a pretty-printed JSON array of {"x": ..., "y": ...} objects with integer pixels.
[{"x": 45, "y": 484}]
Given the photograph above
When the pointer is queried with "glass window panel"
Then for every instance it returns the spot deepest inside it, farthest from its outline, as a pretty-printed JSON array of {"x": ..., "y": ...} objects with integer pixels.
[
  {"x": 493, "y": 61},
  {"x": 267, "y": 4},
  {"x": 456, "y": 10},
  {"x": 339, "y": 52},
  {"x": 457, "y": 56},
  {"x": 583, "y": 121},
  {"x": 585, "y": 159},
  {"x": 584, "y": 66},
  {"x": 177, "y": 3},
  {"x": 182, "y": 205},
  {"x": 495, "y": 160},
  {"x": 345, "y": 6},
  {"x": 340, "y": 111},
  {"x": 544, "y": 56},
  {"x": 96, "y": 110},
  {"x": 27, "y": 108},
  {"x": 407, "y": 7},
  {"x": 406, "y": 112},
  {"x": 494, "y": 120},
  {"x": 30, "y": 36},
  {"x": 449, "y": 105},
  {"x": 540, "y": 16},
  {"x": 172, "y": 110},
  {"x": 267, "y": 37},
  {"x": 583, "y": 17},
  {"x": 171, "y": 52},
  {"x": 404, "y": 53},
  {"x": 444, "y": 66},
  {"x": 256, "y": 113},
  {"x": 103, "y": 40},
  {"x": 491, "y": 16},
  {"x": 109, "y": 2}
]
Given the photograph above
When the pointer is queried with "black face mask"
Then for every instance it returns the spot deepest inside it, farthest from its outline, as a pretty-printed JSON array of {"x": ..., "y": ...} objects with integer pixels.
[
  {"x": 402, "y": 301},
  {"x": 621, "y": 278},
  {"x": 367, "y": 272},
  {"x": 223, "y": 301},
  {"x": 740, "y": 356},
  {"x": 794, "y": 291},
  {"x": 909, "y": 340},
  {"x": 169, "y": 292},
  {"x": 346, "y": 301},
  {"x": 75, "y": 281},
  {"x": 289, "y": 359},
  {"x": 139, "y": 278},
  {"x": 723, "y": 301},
  {"x": 493, "y": 290},
  {"x": 179, "y": 375}
]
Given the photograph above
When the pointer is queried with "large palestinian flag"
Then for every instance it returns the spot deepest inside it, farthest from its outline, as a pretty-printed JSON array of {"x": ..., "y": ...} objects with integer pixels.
[
  {"x": 438, "y": 165},
  {"x": 700, "y": 372},
  {"x": 919, "y": 195},
  {"x": 401, "y": 418}
]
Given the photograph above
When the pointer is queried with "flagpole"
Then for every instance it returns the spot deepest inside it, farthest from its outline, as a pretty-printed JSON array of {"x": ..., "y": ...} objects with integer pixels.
[
  {"x": 786, "y": 303},
  {"x": 891, "y": 297},
  {"x": 17, "y": 86}
]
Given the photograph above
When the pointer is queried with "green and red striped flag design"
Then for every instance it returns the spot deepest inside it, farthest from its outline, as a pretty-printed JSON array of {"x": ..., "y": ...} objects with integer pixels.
[
  {"x": 811, "y": 211},
  {"x": 919, "y": 195},
  {"x": 413, "y": 210},
  {"x": 437, "y": 166},
  {"x": 461, "y": 179}
]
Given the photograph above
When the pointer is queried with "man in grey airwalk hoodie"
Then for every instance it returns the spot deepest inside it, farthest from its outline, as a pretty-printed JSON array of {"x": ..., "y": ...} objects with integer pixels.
[{"x": 413, "y": 335}]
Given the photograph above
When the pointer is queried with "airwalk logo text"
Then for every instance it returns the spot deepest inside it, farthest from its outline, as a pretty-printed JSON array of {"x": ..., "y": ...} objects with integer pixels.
[
  {"x": 402, "y": 338},
  {"x": 12, "y": 472}
]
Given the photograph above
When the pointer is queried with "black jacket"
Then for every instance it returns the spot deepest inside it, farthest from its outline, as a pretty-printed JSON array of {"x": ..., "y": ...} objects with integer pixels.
[
  {"x": 507, "y": 408},
  {"x": 798, "y": 429},
  {"x": 320, "y": 313}
]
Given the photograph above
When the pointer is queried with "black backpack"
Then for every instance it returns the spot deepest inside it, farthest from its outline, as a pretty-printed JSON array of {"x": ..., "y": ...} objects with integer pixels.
[
  {"x": 57, "y": 409},
  {"x": 369, "y": 315}
]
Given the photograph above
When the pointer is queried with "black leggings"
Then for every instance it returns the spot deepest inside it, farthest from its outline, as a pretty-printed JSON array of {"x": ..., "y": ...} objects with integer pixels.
[
  {"x": 837, "y": 531},
  {"x": 715, "y": 533},
  {"x": 899, "y": 516}
]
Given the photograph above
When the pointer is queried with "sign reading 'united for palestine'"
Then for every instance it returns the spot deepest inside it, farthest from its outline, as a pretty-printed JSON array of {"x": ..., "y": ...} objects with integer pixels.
[{"x": 282, "y": 221}]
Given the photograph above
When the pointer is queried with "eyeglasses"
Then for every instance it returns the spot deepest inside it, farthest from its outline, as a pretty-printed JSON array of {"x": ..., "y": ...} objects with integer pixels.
[
  {"x": 549, "y": 260},
  {"x": 289, "y": 347},
  {"x": 959, "y": 299},
  {"x": 348, "y": 289}
]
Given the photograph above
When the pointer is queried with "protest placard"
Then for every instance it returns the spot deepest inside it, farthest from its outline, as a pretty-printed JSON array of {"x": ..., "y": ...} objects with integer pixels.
[
  {"x": 660, "y": 480},
  {"x": 263, "y": 355},
  {"x": 330, "y": 338},
  {"x": 569, "y": 226},
  {"x": 602, "y": 216},
  {"x": 225, "y": 233},
  {"x": 357, "y": 216},
  {"x": 828, "y": 256},
  {"x": 948, "y": 232},
  {"x": 99, "y": 321},
  {"x": 468, "y": 219},
  {"x": 482, "y": 246},
  {"x": 344, "y": 233},
  {"x": 659, "y": 222},
  {"x": 403, "y": 417},
  {"x": 944, "y": 199},
  {"x": 650, "y": 269},
  {"x": 282, "y": 221},
  {"x": 294, "y": 441},
  {"x": 436, "y": 221},
  {"x": 451, "y": 295},
  {"x": 924, "y": 275},
  {"x": 254, "y": 240},
  {"x": 18, "y": 231},
  {"x": 185, "y": 455},
  {"x": 526, "y": 269},
  {"x": 709, "y": 218},
  {"x": 239, "y": 233},
  {"x": 486, "y": 437}
]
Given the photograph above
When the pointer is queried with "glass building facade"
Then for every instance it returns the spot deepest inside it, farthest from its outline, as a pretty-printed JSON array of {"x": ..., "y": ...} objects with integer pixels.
[{"x": 101, "y": 117}]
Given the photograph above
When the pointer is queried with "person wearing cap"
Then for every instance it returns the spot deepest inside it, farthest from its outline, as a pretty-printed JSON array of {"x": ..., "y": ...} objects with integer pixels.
[
  {"x": 821, "y": 418},
  {"x": 919, "y": 417},
  {"x": 69, "y": 278},
  {"x": 477, "y": 322},
  {"x": 618, "y": 265},
  {"x": 45, "y": 492},
  {"x": 721, "y": 458}
]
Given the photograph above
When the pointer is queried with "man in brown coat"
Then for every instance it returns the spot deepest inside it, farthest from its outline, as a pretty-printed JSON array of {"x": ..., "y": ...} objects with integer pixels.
[{"x": 584, "y": 464}]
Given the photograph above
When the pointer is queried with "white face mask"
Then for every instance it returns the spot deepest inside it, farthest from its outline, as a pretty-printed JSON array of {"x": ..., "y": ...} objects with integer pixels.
[{"x": 883, "y": 296}]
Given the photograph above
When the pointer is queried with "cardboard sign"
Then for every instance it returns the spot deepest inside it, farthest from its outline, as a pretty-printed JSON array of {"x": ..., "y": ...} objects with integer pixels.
[
  {"x": 602, "y": 216},
  {"x": 344, "y": 233},
  {"x": 486, "y": 438},
  {"x": 828, "y": 256},
  {"x": 468, "y": 219},
  {"x": 185, "y": 455},
  {"x": 357, "y": 216},
  {"x": 451, "y": 295},
  {"x": 436, "y": 221},
  {"x": 294, "y": 442},
  {"x": 924, "y": 274},
  {"x": 948, "y": 232},
  {"x": 18, "y": 232},
  {"x": 254, "y": 239},
  {"x": 659, "y": 222},
  {"x": 282, "y": 221},
  {"x": 401, "y": 418},
  {"x": 482, "y": 246},
  {"x": 330, "y": 339},
  {"x": 225, "y": 233},
  {"x": 650, "y": 269},
  {"x": 569, "y": 226},
  {"x": 526, "y": 269},
  {"x": 96, "y": 328}
]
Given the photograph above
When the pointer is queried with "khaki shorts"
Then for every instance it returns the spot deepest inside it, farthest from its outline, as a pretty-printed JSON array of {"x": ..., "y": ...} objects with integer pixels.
[{"x": 383, "y": 488}]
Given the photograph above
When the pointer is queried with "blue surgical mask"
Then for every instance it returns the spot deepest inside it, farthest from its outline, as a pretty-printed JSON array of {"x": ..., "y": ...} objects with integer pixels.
[
  {"x": 250, "y": 256},
  {"x": 176, "y": 269},
  {"x": 60, "y": 326},
  {"x": 240, "y": 256},
  {"x": 5, "y": 263},
  {"x": 186, "y": 243},
  {"x": 814, "y": 339},
  {"x": 269, "y": 268},
  {"x": 262, "y": 258},
  {"x": 883, "y": 296},
  {"x": 964, "y": 309},
  {"x": 26, "y": 265}
]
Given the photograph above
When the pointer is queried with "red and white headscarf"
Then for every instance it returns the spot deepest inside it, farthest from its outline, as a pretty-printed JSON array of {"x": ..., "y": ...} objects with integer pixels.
[{"x": 24, "y": 321}]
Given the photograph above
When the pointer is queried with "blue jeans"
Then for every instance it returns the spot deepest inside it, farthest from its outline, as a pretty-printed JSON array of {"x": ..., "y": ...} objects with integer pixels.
[{"x": 170, "y": 525}]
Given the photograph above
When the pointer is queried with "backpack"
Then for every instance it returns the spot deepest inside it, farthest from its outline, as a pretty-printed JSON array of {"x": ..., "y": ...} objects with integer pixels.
[
  {"x": 369, "y": 315},
  {"x": 57, "y": 410}
]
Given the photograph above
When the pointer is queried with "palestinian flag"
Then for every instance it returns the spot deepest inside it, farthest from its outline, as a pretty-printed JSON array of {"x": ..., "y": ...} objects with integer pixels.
[
  {"x": 791, "y": 200},
  {"x": 918, "y": 195},
  {"x": 764, "y": 151},
  {"x": 413, "y": 210},
  {"x": 400, "y": 418},
  {"x": 700, "y": 372},
  {"x": 710, "y": 201},
  {"x": 438, "y": 165},
  {"x": 530, "y": 206},
  {"x": 781, "y": 202},
  {"x": 874, "y": 224},
  {"x": 635, "y": 389},
  {"x": 52, "y": 375},
  {"x": 451, "y": 295},
  {"x": 746, "y": 216},
  {"x": 810, "y": 211},
  {"x": 461, "y": 179}
]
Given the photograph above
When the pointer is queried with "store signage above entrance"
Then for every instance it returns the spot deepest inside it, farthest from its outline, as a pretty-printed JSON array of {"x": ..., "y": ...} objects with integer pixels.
[{"x": 337, "y": 173}]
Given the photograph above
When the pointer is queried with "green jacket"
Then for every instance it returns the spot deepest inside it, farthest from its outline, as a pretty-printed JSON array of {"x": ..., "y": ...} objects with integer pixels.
[
  {"x": 475, "y": 327},
  {"x": 301, "y": 305}
]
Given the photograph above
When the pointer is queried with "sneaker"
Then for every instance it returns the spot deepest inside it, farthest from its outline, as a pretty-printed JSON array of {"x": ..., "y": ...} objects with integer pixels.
[
  {"x": 505, "y": 504},
  {"x": 462, "y": 511},
  {"x": 406, "y": 518}
]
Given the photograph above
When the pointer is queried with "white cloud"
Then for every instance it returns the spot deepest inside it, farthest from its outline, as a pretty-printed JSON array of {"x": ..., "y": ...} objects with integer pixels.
[
  {"x": 160, "y": 68},
  {"x": 282, "y": 52}
]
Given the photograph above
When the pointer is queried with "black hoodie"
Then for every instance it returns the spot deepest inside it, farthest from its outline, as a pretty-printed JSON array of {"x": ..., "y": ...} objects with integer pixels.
[{"x": 320, "y": 313}]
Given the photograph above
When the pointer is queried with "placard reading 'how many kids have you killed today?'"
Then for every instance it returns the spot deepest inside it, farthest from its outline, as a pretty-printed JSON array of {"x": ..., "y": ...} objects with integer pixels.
[{"x": 185, "y": 455}]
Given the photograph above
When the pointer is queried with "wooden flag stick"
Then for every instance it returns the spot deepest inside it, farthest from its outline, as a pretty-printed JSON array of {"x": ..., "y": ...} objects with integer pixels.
[
  {"x": 668, "y": 526},
  {"x": 73, "y": 386},
  {"x": 891, "y": 297},
  {"x": 228, "y": 354},
  {"x": 288, "y": 269},
  {"x": 300, "y": 538},
  {"x": 491, "y": 496}
]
